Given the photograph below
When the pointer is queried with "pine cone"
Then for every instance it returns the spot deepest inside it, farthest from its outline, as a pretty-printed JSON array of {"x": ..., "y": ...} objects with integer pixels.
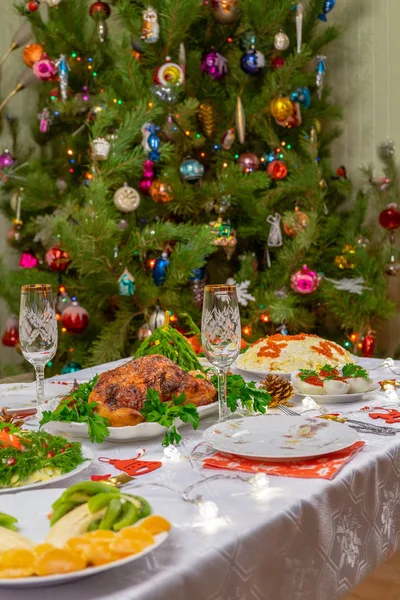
[
  {"x": 280, "y": 389},
  {"x": 206, "y": 115}
]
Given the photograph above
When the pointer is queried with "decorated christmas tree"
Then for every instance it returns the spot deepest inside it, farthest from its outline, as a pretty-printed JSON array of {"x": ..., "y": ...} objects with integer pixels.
[{"x": 177, "y": 144}]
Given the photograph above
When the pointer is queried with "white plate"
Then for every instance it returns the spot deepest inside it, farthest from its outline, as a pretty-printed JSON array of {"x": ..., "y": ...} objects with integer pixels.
[
  {"x": 260, "y": 374},
  {"x": 31, "y": 510},
  {"x": 340, "y": 398},
  {"x": 86, "y": 453},
  {"x": 280, "y": 438},
  {"x": 142, "y": 431}
]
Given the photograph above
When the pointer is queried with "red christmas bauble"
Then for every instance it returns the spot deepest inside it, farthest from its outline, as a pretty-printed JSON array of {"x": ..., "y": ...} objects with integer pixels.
[
  {"x": 368, "y": 346},
  {"x": 277, "y": 169},
  {"x": 32, "y": 6},
  {"x": 11, "y": 336},
  {"x": 57, "y": 259},
  {"x": 248, "y": 162},
  {"x": 75, "y": 318},
  {"x": 100, "y": 9},
  {"x": 277, "y": 62},
  {"x": 390, "y": 217}
]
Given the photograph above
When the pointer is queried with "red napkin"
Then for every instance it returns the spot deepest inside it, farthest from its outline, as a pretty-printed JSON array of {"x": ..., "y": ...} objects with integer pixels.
[{"x": 324, "y": 467}]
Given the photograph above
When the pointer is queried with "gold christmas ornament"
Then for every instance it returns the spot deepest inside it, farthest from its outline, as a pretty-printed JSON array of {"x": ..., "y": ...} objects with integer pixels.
[
  {"x": 279, "y": 388},
  {"x": 126, "y": 198},
  {"x": 240, "y": 119},
  {"x": 281, "y": 108},
  {"x": 294, "y": 119},
  {"x": 295, "y": 222},
  {"x": 206, "y": 116},
  {"x": 281, "y": 41},
  {"x": 32, "y": 53},
  {"x": 225, "y": 11},
  {"x": 342, "y": 262}
]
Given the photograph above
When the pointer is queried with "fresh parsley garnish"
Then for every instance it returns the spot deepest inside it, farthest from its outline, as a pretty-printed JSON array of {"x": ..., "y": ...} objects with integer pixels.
[
  {"x": 306, "y": 373},
  {"x": 76, "y": 408},
  {"x": 352, "y": 370},
  {"x": 239, "y": 390},
  {"x": 166, "y": 413}
]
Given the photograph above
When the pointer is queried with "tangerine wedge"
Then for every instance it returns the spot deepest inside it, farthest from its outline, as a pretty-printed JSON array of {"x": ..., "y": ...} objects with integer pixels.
[
  {"x": 17, "y": 558},
  {"x": 57, "y": 560},
  {"x": 95, "y": 551},
  {"x": 17, "y": 572},
  {"x": 102, "y": 535},
  {"x": 154, "y": 524},
  {"x": 131, "y": 540},
  {"x": 42, "y": 548}
]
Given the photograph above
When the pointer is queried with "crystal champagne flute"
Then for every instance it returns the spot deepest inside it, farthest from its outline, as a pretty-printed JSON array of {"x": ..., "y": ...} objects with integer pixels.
[
  {"x": 221, "y": 334},
  {"x": 38, "y": 334}
]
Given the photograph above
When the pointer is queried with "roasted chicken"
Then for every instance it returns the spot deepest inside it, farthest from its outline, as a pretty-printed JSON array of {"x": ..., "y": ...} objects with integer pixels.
[{"x": 121, "y": 392}]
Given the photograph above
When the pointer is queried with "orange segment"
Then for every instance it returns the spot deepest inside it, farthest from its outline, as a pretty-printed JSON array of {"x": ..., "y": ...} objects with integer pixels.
[
  {"x": 102, "y": 535},
  {"x": 58, "y": 561},
  {"x": 136, "y": 534},
  {"x": 154, "y": 524},
  {"x": 131, "y": 540},
  {"x": 17, "y": 572},
  {"x": 42, "y": 548},
  {"x": 17, "y": 558}
]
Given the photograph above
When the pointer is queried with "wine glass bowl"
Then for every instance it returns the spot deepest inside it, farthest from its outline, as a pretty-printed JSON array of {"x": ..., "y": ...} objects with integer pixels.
[
  {"x": 38, "y": 334},
  {"x": 221, "y": 333}
]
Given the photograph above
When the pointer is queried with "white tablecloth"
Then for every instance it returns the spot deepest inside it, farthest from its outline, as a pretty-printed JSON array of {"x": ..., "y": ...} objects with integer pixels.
[{"x": 301, "y": 539}]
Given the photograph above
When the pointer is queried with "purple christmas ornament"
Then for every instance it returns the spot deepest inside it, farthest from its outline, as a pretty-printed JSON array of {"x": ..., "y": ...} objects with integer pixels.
[
  {"x": 214, "y": 64},
  {"x": 6, "y": 160}
]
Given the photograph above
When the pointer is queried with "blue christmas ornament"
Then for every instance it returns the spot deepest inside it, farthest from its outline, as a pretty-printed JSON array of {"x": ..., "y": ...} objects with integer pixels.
[
  {"x": 71, "y": 367},
  {"x": 321, "y": 71},
  {"x": 191, "y": 170},
  {"x": 126, "y": 284},
  {"x": 252, "y": 61},
  {"x": 198, "y": 274},
  {"x": 153, "y": 142},
  {"x": 327, "y": 6},
  {"x": 301, "y": 95},
  {"x": 160, "y": 269}
]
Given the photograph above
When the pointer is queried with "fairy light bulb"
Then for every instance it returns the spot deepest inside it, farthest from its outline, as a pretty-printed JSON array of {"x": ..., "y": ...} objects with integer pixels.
[{"x": 208, "y": 510}]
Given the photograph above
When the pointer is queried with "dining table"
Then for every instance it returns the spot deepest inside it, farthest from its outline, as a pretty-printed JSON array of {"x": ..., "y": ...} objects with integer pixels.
[{"x": 296, "y": 539}]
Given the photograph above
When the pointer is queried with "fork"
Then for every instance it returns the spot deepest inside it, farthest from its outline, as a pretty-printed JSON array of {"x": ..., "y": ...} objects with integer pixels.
[{"x": 360, "y": 426}]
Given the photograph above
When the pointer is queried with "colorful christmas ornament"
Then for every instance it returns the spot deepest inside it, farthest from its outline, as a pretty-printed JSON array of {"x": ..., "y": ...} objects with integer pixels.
[
  {"x": 31, "y": 54},
  {"x": 225, "y": 236},
  {"x": 327, "y": 6},
  {"x": 32, "y": 6},
  {"x": 302, "y": 95},
  {"x": 390, "y": 217},
  {"x": 144, "y": 332},
  {"x": 248, "y": 162},
  {"x": 227, "y": 139},
  {"x": 277, "y": 62},
  {"x": 191, "y": 170},
  {"x": 240, "y": 120},
  {"x": 321, "y": 71},
  {"x": 160, "y": 269},
  {"x": 44, "y": 69},
  {"x": 63, "y": 68},
  {"x": 277, "y": 169},
  {"x": 28, "y": 260},
  {"x": 169, "y": 74},
  {"x": 342, "y": 262},
  {"x": 225, "y": 12},
  {"x": 10, "y": 336},
  {"x": 45, "y": 120},
  {"x": 6, "y": 160},
  {"x": 126, "y": 198},
  {"x": 71, "y": 367},
  {"x": 281, "y": 41},
  {"x": 207, "y": 118},
  {"x": 281, "y": 108},
  {"x": 252, "y": 61},
  {"x": 100, "y": 148},
  {"x": 294, "y": 223},
  {"x": 157, "y": 319},
  {"x": 126, "y": 283},
  {"x": 299, "y": 26},
  {"x": 150, "y": 31},
  {"x": 148, "y": 177},
  {"x": 294, "y": 119},
  {"x": 368, "y": 345},
  {"x": 393, "y": 267},
  {"x": 75, "y": 318},
  {"x": 57, "y": 259},
  {"x": 160, "y": 192},
  {"x": 305, "y": 281},
  {"x": 100, "y": 11},
  {"x": 198, "y": 280},
  {"x": 214, "y": 64},
  {"x": 153, "y": 142}
]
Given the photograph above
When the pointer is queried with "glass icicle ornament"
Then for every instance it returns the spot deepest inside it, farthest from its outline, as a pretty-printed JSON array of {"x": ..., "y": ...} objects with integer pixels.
[{"x": 320, "y": 77}]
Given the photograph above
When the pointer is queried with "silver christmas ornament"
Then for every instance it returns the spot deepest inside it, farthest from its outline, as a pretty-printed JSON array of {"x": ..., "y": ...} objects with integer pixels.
[
  {"x": 100, "y": 148},
  {"x": 157, "y": 319},
  {"x": 126, "y": 198},
  {"x": 386, "y": 149},
  {"x": 281, "y": 41}
]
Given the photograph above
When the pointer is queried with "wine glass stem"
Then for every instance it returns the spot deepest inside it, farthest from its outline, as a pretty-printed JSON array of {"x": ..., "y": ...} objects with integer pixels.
[
  {"x": 39, "y": 372},
  {"x": 223, "y": 407}
]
